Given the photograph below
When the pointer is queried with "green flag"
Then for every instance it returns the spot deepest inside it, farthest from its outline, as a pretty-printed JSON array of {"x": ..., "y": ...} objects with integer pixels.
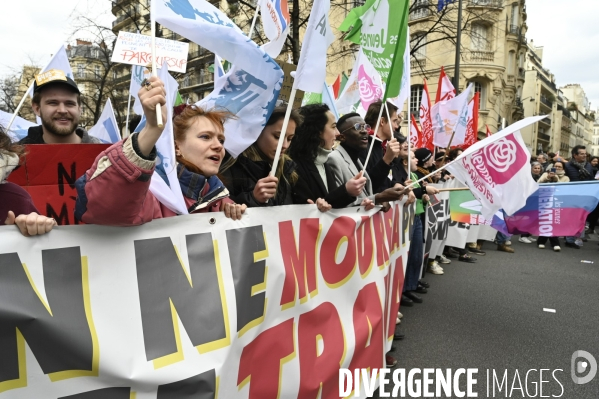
[
  {"x": 311, "y": 98},
  {"x": 178, "y": 99},
  {"x": 381, "y": 27}
]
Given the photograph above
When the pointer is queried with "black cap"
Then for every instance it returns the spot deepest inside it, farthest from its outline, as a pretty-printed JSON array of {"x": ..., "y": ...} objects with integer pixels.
[
  {"x": 423, "y": 155},
  {"x": 54, "y": 76}
]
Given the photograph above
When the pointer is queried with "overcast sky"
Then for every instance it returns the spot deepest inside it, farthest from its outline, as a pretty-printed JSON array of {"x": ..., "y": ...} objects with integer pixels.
[{"x": 568, "y": 30}]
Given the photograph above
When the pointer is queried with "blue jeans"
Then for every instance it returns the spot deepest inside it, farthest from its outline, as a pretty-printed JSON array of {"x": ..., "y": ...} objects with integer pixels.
[
  {"x": 501, "y": 238},
  {"x": 415, "y": 257}
]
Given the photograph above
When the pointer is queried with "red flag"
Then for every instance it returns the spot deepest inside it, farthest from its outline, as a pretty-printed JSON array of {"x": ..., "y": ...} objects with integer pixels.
[
  {"x": 472, "y": 124},
  {"x": 445, "y": 90},
  {"x": 488, "y": 131},
  {"x": 425, "y": 120},
  {"x": 415, "y": 134},
  {"x": 337, "y": 86}
]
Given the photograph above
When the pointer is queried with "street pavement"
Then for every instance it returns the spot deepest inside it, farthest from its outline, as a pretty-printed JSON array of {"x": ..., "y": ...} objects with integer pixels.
[{"x": 490, "y": 315}]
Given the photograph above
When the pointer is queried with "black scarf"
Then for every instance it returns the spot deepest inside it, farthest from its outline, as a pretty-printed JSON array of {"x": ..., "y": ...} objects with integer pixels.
[{"x": 584, "y": 173}]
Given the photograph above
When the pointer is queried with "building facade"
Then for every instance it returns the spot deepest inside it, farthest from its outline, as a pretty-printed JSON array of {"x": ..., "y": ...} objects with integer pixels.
[{"x": 493, "y": 47}]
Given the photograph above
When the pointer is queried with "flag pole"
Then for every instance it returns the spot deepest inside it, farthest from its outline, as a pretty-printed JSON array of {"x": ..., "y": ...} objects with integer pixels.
[
  {"x": 253, "y": 25},
  {"x": 126, "y": 134},
  {"x": 376, "y": 129},
  {"x": 283, "y": 132},
  {"x": 14, "y": 116},
  {"x": 458, "y": 44},
  {"x": 159, "y": 121}
]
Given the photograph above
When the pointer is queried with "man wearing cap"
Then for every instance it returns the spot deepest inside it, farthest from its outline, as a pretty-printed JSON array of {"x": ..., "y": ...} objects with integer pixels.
[{"x": 57, "y": 102}]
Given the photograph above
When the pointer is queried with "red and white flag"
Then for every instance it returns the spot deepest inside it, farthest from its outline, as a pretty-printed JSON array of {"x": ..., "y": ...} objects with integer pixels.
[
  {"x": 488, "y": 130},
  {"x": 336, "y": 86},
  {"x": 497, "y": 170},
  {"x": 472, "y": 124},
  {"x": 415, "y": 134},
  {"x": 426, "y": 138},
  {"x": 445, "y": 89}
]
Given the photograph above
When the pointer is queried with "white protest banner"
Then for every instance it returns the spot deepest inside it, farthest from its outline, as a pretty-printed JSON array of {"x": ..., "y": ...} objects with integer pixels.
[
  {"x": 135, "y": 49},
  {"x": 269, "y": 306}
]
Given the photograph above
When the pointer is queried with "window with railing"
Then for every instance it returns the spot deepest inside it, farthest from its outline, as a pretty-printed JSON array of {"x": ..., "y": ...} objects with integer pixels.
[
  {"x": 479, "y": 87},
  {"x": 420, "y": 9},
  {"x": 419, "y": 44},
  {"x": 415, "y": 99},
  {"x": 480, "y": 37}
]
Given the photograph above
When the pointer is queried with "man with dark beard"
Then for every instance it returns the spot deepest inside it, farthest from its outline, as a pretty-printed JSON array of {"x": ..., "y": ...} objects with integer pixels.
[{"x": 57, "y": 101}]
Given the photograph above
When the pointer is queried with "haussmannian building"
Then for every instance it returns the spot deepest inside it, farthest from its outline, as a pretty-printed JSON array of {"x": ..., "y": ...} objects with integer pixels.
[{"x": 492, "y": 54}]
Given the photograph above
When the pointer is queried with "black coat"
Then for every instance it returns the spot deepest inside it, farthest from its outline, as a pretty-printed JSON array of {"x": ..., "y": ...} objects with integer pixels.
[
  {"x": 241, "y": 178},
  {"x": 310, "y": 186},
  {"x": 574, "y": 174},
  {"x": 377, "y": 169}
]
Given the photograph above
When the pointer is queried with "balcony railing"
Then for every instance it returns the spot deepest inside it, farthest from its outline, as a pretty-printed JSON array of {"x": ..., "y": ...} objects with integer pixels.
[
  {"x": 544, "y": 137},
  {"x": 545, "y": 100},
  {"x": 547, "y": 81},
  {"x": 514, "y": 30},
  {"x": 119, "y": 19},
  {"x": 421, "y": 10},
  {"x": 546, "y": 121},
  {"x": 86, "y": 76},
  {"x": 198, "y": 53},
  {"x": 481, "y": 56},
  {"x": 486, "y": 3},
  {"x": 190, "y": 81},
  {"x": 418, "y": 63}
]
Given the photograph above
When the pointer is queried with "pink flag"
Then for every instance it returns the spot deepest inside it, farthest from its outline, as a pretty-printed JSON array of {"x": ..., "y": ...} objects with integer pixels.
[
  {"x": 472, "y": 125},
  {"x": 445, "y": 90},
  {"x": 497, "y": 170},
  {"x": 426, "y": 138},
  {"x": 415, "y": 134}
]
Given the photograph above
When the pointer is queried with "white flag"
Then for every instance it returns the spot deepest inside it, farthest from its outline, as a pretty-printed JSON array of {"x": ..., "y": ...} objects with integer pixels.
[
  {"x": 404, "y": 91},
  {"x": 351, "y": 92},
  {"x": 448, "y": 116},
  {"x": 275, "y": 21},
  {"x": 106, "y": 129},
  {"x": 138, "y": 74},
  {"x": 328, "y": 98},
  {"x": 206, "y": 25},
  {"x": 219, "y": 72},
  {"x": 19, "y": 127},
  {"x": 497, "y": 170},
  {"x": 250, "y": 97},
  {"x": 165, "y": 184},
  {"x": 312, "y": 67}
]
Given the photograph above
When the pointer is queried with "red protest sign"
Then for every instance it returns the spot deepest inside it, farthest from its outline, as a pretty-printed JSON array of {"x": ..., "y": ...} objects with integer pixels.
[{"x": 48, "y": 172}]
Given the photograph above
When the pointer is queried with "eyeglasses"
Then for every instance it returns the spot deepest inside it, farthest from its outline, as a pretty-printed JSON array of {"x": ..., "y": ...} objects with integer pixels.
[{"x": 358, "y": 126}]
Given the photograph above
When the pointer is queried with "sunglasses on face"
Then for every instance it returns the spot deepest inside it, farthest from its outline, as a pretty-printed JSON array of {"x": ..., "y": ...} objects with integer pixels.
[{"x": 359, "y": 127}]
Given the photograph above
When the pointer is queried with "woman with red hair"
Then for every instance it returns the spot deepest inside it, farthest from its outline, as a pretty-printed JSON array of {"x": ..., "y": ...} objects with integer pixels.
[{"x": 115, "y": 190}]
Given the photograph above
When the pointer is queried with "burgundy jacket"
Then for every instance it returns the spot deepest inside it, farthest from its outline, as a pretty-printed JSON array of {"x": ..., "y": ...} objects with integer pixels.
[{"x": 115, "y": 191}]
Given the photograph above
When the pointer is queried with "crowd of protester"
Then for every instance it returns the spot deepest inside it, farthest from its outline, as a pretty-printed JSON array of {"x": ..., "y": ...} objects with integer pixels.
[{"x": 323, "y": 162}]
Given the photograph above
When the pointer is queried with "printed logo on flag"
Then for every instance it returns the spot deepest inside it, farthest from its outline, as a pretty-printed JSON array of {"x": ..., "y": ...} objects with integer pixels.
[
  {"x": 186, "y": 10},
  {"x": 499, "y": 161},
  {"x": 279, "y": 12},
  {"x": 237, "y": 91},
  {"x": 369, "y": 90}
]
